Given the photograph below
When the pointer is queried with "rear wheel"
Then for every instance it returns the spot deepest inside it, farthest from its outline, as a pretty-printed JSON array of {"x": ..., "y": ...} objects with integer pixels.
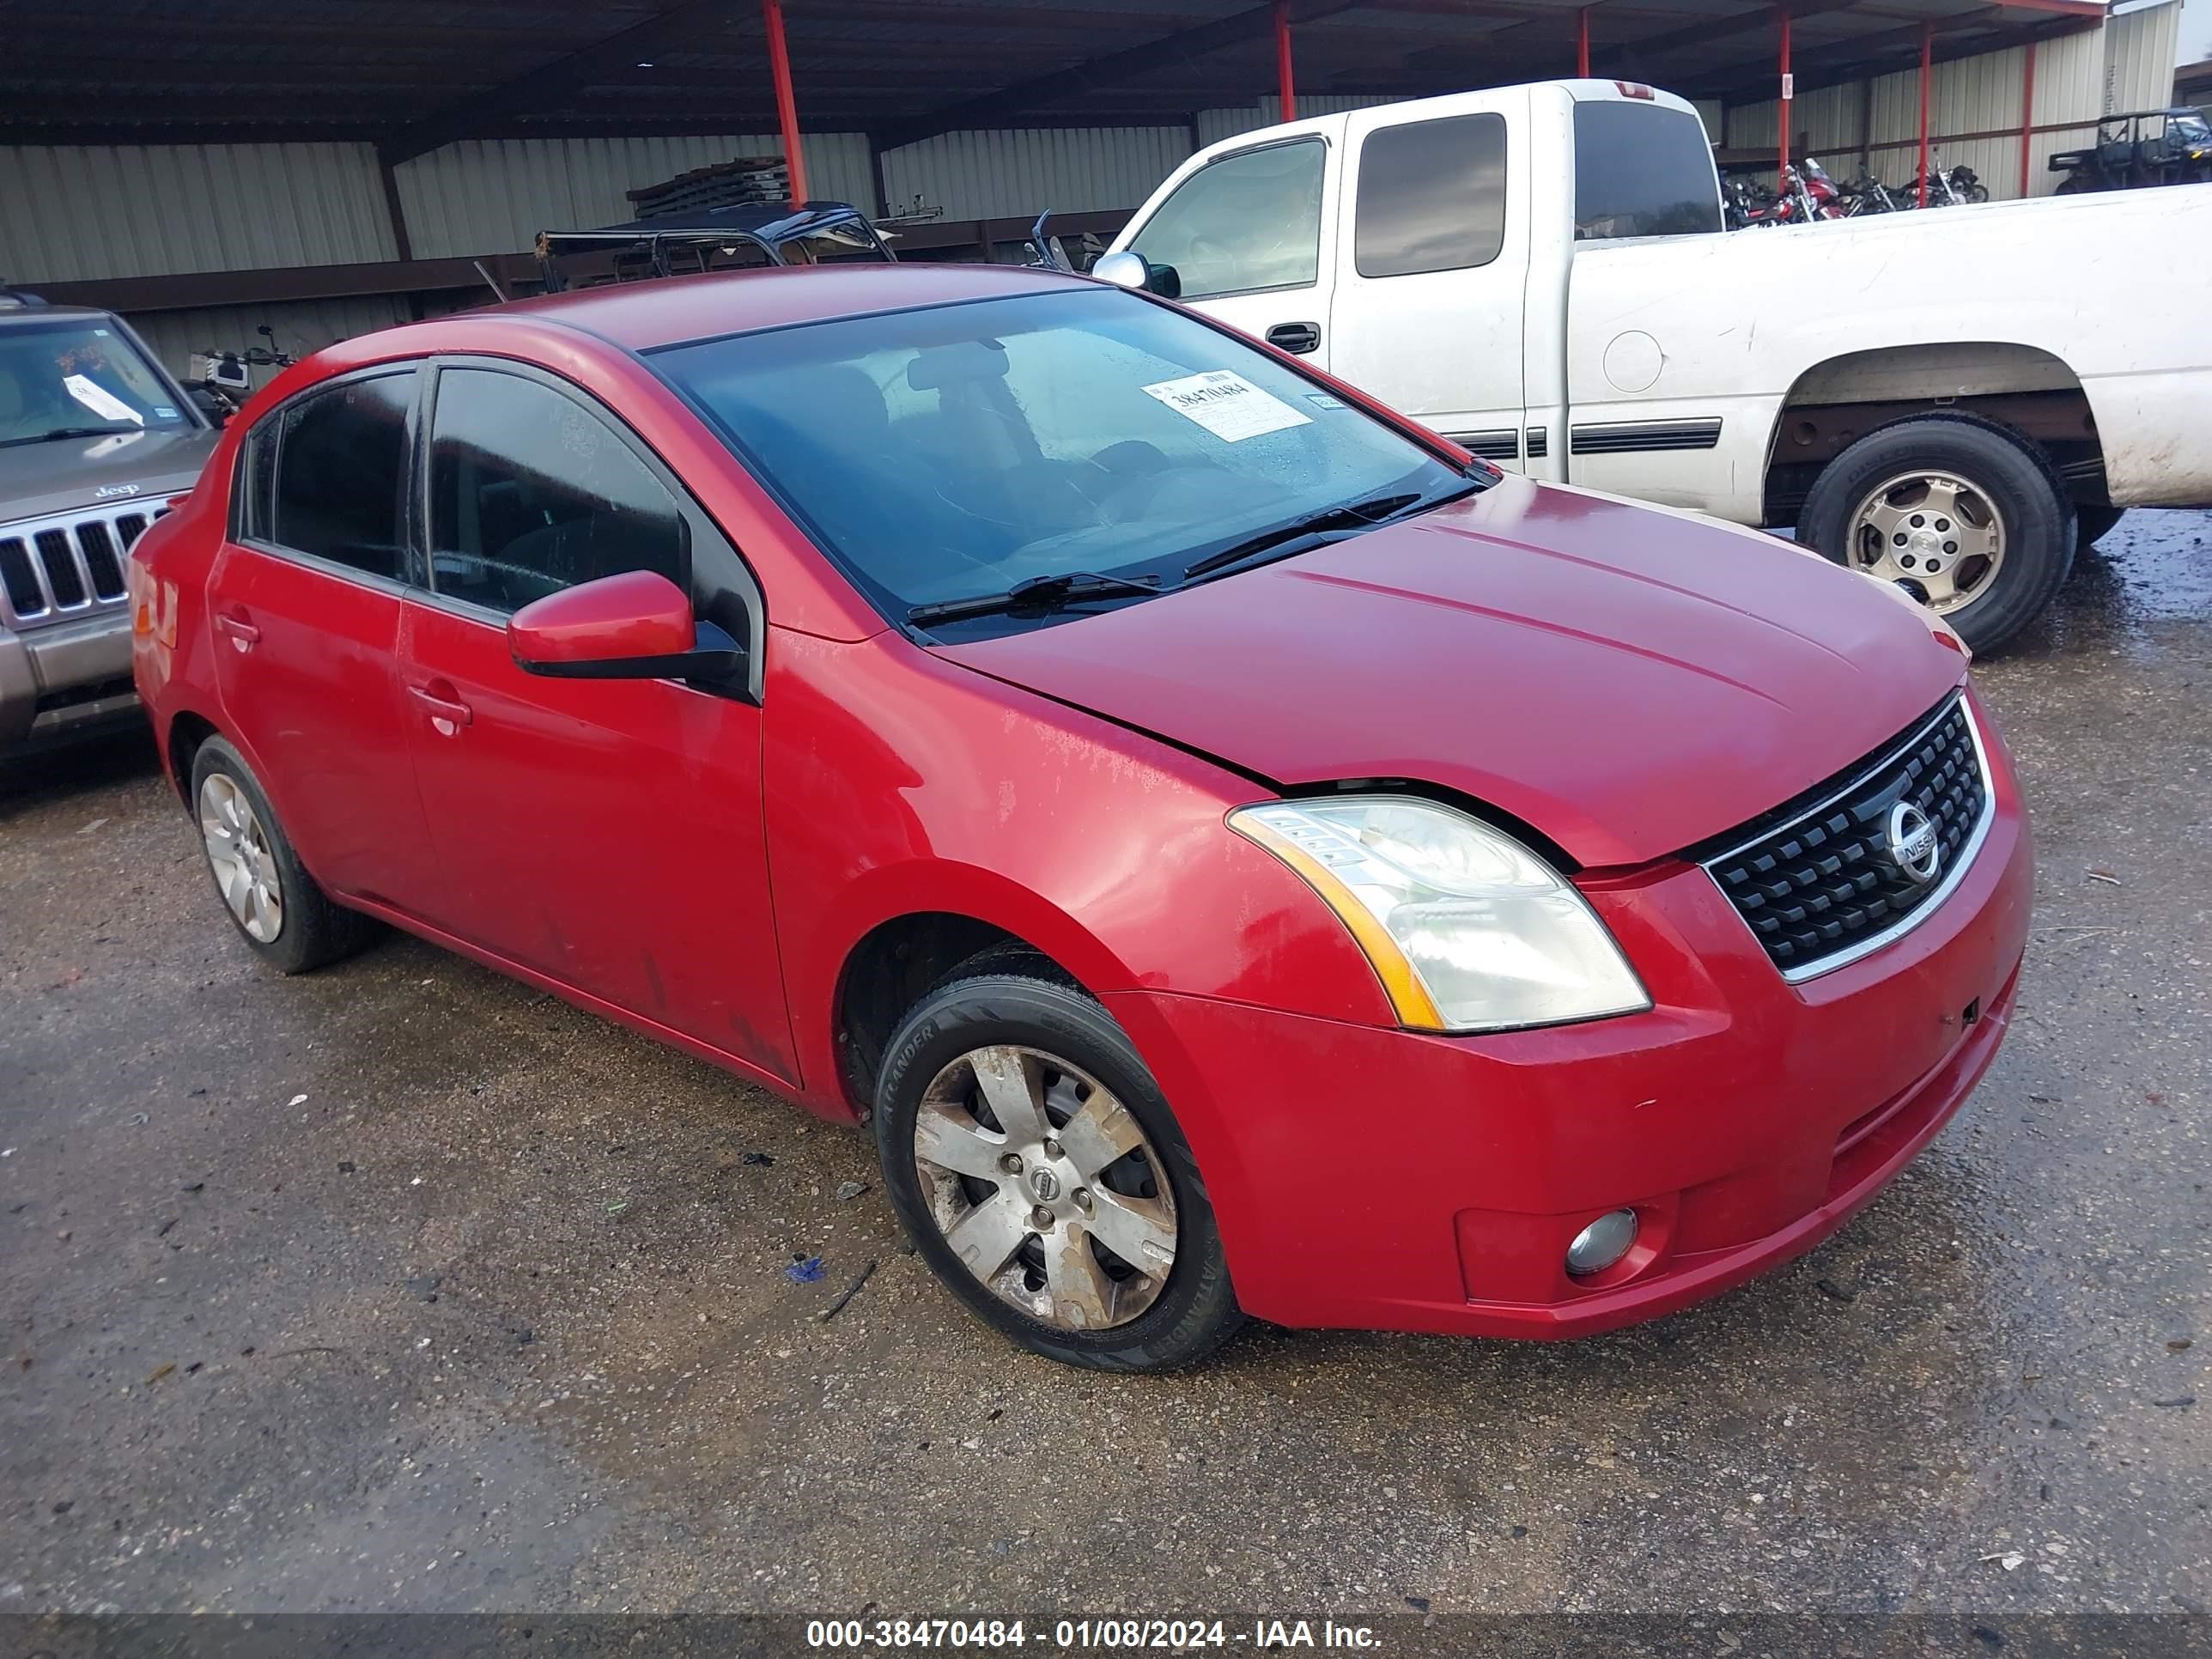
[
  {"x": 1032, "y": 1159},
  {"x": 284, "y": 918},
  {"x": 1961, "y": 513}
]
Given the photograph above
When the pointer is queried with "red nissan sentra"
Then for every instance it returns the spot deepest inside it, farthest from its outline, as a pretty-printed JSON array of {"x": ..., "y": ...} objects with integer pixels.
[{"x": 1242, "y": 854}]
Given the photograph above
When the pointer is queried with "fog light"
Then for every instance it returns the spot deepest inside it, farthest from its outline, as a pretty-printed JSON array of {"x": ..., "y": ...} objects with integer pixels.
[{"x": 1601, "y": 1244}]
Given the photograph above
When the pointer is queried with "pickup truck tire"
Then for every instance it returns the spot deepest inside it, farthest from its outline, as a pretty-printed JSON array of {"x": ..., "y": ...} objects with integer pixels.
[
  {"x": 284, "y": 918},
  {"x": 1965, "y": 513}
]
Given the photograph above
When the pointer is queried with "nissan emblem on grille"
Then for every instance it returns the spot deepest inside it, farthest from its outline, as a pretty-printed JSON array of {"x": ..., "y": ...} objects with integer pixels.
[
  {"x": 1849, "y": 864},
  {"x": 1914, "y": 847}
]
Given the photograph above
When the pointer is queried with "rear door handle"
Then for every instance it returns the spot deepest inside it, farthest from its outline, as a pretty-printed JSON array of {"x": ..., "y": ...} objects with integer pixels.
[
  {"x": 448, "y": 714},
  {"x": 1299, "y": 337},
  {"x": 241, "y": 633}
]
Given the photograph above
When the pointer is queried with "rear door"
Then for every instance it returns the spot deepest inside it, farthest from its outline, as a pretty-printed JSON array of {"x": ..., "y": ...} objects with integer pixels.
[
  {"x": 1251, "y": 236},
  {"x": 1434, "y": 228},
  {"x": 305, "y": 602},
  {"x": 607, "y": 833}
]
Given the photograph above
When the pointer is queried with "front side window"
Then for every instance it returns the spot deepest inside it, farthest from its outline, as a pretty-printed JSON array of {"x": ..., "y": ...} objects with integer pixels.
[
  {"x": 1431, "y": 196},
  {"x": 948, "y": 452},
  {"x": 1641, "y": 170},
  {"x": 78, "y": 379},
  {"x": 1250, "y": 221},
  {"x": 341, "y": 456},
  {"x": 531, "y": 493}
]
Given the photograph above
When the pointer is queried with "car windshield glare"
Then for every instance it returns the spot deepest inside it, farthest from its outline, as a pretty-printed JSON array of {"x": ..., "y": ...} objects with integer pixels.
[
  {"x": 78, "y": 377},
  {"x": 944, "y": 453}
]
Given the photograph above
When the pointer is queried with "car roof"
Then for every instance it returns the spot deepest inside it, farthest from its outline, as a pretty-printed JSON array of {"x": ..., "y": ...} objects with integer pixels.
[
  {"x": 40, "y": 311},
  {"x": 640, "y": 316}
]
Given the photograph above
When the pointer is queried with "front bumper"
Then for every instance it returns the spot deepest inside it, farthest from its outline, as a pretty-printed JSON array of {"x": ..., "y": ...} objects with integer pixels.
[
  {"x": 71, "y": 680},
  {"x": 1393, "y": 1180}
]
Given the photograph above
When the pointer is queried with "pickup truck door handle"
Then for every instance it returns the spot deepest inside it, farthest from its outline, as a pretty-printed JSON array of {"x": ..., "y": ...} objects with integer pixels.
[
  {"x": 242, "y": 633},
  {"x": 1299, "y": 337},
  {"x": 448, "y": 713}
]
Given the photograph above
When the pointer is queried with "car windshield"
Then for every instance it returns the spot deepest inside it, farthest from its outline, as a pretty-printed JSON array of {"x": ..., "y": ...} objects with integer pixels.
[
  {"x": 82, "y": 376},
  {"x": 2191, "y": 127},
  {"x": 957, "y": 450}
]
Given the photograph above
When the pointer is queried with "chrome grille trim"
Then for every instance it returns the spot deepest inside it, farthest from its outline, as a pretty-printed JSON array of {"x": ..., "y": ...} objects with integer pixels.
[{"x": 68, "y": 565}]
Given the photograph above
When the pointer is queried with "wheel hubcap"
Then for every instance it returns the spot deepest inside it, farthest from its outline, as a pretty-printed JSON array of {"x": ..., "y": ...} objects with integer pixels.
[
  {"x": 1933, "y": 534},
  {"x": 1045, "y": 1187},
  {"x": 239, "y": 853}
]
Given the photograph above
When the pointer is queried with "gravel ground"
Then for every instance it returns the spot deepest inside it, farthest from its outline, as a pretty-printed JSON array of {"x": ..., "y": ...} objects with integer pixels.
[{"x": 403, "y": 1287}]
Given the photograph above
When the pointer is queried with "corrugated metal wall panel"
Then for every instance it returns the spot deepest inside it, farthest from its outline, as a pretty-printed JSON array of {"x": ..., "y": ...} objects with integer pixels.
[
  {"x": 300, "y": 327},
  {"x": 1022, "y": 171},
  {"x": 494, "y": 195},
  {"x": 2142, "y": 48},
  {"x": 1215, "y": 125},
  {"x": 76, "y": 211}
]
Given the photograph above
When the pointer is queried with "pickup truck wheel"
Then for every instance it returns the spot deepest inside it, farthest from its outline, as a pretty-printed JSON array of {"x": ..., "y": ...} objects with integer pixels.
[
  {"x": 278, "y": 910},
  {"x": 1042, "y": 1177},
  {"x": 1959, "y": 512}
]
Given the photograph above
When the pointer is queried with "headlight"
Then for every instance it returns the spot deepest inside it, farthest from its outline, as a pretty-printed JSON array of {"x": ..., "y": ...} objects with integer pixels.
[{"x": 1467, "y": 929}]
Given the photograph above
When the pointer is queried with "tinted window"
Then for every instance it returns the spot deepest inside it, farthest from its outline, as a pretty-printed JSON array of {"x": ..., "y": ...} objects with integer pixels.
[
  {"x": 940, "y": 453},
  {"x": 252, "y": 491},
  {"x": 1641, "y": 170},
  {"x": 531, "y": 493},
  {"x": 1431, "y": 196},
  {"x": 339, "y": 462},
  {"x": 1250, "y": 221}
]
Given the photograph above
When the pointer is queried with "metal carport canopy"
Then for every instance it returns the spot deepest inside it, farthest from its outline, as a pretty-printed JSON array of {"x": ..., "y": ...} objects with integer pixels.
[{"x": 411, "y": 75}]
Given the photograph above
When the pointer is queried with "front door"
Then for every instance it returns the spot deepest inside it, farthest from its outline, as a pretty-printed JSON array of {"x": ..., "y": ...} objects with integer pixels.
[
  {"x": 1427, "y": 312},
  {"x": 607, "y": 833},
  {"x": 306, "y": 624},
  {"x": 1251, "y": 238}
]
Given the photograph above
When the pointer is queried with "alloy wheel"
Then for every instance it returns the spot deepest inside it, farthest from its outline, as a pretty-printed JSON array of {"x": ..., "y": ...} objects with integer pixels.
[
  {"x": 1045, "y": 1187},
  {"x": 239, "y": 853},
  {"x": 1933, "y": 534}
]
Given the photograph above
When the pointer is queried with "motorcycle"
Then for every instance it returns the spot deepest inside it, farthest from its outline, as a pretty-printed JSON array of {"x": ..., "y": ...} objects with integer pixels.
[
  {"x": 1868, "y": 194},
  {"x": 220, "y": 381},
  {"x": 1955, "y": 188}
]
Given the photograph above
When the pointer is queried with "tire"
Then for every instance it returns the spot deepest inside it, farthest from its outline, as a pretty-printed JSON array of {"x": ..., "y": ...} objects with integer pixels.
[
  {"x": 2075, "y": 185},
  {"x": 1047, "y": 1044},
  {"x": 2093, "y": 524},
  {"x": 2002, "y": 582},
  {"x": 304, "y": 930}
]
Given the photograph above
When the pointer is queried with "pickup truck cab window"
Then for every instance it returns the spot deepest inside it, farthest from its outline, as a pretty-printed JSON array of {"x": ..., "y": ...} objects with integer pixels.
[
  {"x": 1431, "y": 196},
  {"x": 1641, "y": 170},
  {"x": 341, "y": 459},
  {"x": 531, "y": 493},
  {"x": 1248, "y": 223}
]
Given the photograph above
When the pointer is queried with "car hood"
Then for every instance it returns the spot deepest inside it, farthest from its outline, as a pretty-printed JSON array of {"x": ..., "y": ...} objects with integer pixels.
[
  {"x": 38, "y": 479},
  {"x": 1628, "y": 680}
]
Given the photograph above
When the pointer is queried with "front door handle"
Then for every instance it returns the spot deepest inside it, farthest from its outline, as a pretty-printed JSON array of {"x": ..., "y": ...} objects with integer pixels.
[
  {"x": 242, "y": 633},
  {"x": 448, "y": 713},
  {"x": 1299, "y": 337}
]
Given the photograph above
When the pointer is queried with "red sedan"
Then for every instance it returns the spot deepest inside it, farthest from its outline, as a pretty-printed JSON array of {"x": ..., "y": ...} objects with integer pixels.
[{"x": 1241, "y": 854}]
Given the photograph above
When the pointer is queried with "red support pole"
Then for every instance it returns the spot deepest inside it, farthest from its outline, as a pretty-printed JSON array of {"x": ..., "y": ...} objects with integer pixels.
[
  {"x": 1283, "y": 85},
  {"x": 1582, "y": 42},
  {"x": 786, "y": 105},
  {"x": 2027, "y": 113},
  {"x": 1781, "y": 171},
  {"x": 1927, "y": 67}
]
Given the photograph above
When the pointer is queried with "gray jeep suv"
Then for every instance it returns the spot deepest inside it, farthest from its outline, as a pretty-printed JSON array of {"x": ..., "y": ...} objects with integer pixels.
[{"x": 96, "y": 440}]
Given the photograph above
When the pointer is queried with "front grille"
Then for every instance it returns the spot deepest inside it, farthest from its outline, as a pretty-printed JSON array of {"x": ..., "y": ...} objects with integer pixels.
[
  {"x": 1820, "y": 881},
  {"x": 70, "y": 565}
]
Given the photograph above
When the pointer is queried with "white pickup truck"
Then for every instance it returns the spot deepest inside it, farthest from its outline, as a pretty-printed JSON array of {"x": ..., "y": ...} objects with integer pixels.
[{"x": 1948, "y": 400}]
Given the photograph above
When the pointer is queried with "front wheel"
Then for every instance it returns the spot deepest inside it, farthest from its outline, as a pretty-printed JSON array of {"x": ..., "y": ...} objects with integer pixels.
[
  {"x": 1963, "y": 515},
  {"x": 1040, "y": 1173}
]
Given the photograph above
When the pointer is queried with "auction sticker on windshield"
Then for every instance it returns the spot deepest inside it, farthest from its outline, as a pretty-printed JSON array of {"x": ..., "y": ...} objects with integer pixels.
[{"x": 1228, "y": 406}]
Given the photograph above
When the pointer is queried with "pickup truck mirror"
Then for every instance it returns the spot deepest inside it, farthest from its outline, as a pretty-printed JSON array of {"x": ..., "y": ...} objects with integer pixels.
[{"x": 1128, "y": 270}]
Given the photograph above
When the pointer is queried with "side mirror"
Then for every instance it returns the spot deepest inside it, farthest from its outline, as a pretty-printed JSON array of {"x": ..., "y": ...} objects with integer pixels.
[
  {"x": 636, "y": 626},
  {"x": 1128, "y": 270}
]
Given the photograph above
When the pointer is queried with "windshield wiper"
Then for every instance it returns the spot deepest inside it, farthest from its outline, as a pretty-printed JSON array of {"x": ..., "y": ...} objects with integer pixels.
[
  {"x": 1038, "y": 593},
  {"x": 69, "y": 432},
  {"x": 1357, "y": 516}
]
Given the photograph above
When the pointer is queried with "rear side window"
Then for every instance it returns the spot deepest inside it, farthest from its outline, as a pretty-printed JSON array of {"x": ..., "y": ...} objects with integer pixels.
[
  {"x": 1431, "y": 196},
  {"x": 341, "y": 456},
  {"x": 253, "y": 506},
  {"x": 531, "y": 492},
  {"x": 1248, "y": 221},
  {"x": 1641, "y": 170}
]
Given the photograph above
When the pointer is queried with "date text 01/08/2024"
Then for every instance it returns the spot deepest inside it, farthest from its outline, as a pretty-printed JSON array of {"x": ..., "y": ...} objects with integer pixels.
[{"x": 1118, "y": 1635}]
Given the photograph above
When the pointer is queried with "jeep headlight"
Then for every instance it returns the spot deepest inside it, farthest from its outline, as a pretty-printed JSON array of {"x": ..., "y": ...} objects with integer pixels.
[{"x": 1467, "y": 929}]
